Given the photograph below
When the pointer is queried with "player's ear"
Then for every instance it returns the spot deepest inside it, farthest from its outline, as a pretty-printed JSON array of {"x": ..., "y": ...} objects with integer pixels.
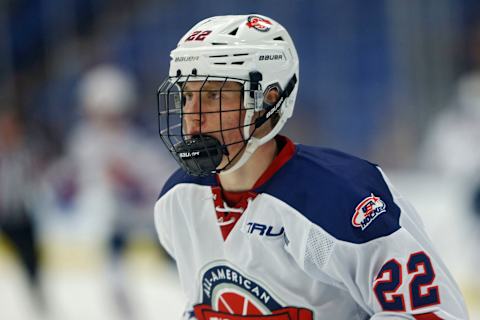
[{"x": 271, "y": 96}]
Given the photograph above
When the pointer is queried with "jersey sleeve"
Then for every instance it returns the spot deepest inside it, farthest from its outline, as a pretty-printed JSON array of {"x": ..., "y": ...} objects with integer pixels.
[
  {"x": 165, "y": 206},
  {"x": 162, "y": 211},
  {"x": 397, "y": 275}
]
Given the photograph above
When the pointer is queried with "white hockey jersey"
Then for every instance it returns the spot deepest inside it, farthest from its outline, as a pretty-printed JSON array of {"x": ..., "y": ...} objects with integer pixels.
[{"x": 322, "y": 235}]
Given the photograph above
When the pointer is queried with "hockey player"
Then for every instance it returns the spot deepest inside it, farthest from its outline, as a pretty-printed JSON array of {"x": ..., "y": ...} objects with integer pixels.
[{"x": 262, "y": 228}]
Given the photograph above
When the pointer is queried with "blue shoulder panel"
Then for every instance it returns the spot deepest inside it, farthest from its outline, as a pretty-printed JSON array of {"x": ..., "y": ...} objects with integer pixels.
[
  {"x": 180, "y": 176},
  {"x": 327, "y": 187}
]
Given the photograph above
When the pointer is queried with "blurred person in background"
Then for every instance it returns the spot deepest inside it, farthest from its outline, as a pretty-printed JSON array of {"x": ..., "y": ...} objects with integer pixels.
[
  {"x": 451, "y": 151},
  {"x": 111, "y": 171},
  {"x": 452, "y": 145},
  {"x": 19, "y": 173}
]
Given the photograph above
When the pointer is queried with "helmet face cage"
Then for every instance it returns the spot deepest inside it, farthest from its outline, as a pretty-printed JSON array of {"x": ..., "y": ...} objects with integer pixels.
[
  {"x": 200, "y": 153},
  {"x": 216, "y": 135}
]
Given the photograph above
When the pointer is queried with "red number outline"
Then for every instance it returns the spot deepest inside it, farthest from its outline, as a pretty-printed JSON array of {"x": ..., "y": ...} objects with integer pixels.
[
  {"x": 413, "y": 284},
  {"x": 203, "y": 35},
  {"x": 384, "y": 293},
  {"x": 420, "y": 286},
  {"x": 198, "y": 35},
  {"x": 193, "y": 35}
]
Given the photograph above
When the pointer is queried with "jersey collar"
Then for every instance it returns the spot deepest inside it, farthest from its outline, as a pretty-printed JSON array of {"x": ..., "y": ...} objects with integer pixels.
[{"x": 287, "y": 151}]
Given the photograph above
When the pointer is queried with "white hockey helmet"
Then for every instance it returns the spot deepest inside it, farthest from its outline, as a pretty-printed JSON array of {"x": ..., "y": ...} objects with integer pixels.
[
  {"x": 253, "y": 50},
  {"x": 107, "y": 90}
]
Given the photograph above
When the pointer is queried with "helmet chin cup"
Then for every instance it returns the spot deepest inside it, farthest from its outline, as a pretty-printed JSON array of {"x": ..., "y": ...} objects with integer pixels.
[{"x": 200, "y": 155}]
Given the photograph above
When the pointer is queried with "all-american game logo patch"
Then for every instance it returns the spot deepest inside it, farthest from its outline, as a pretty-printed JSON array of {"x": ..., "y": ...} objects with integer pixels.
[
  {"x": 259, "y": 23},
  {"x": 229, "y": 295},
  {"x": 368, "y": 210}
]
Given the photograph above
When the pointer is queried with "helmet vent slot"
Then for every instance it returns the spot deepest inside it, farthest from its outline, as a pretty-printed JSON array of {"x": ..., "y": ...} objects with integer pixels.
[
  {"x": 219, "y": 43},
  {"x": 222, "y": 63},
  {"x": 233, "y": 32},
  {"x": 240, "y": 54},
  {"x": 278, "y": 39},
  {"x": 219, "y": 56},
  {"x": 237, "y": 63}
]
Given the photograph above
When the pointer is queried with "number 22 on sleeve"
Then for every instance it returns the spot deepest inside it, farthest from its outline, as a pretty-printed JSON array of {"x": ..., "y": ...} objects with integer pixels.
[{"x": 421, "y": 291}]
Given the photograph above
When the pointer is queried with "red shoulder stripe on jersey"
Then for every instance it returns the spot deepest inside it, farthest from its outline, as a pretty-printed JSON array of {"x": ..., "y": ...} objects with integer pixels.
[
  {"x": 427, "y": 316},
  {"x": 287, "y": 151}
]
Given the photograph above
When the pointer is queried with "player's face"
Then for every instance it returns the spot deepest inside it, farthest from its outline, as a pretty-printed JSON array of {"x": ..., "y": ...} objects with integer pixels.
[{"x": 214, "y": 108}]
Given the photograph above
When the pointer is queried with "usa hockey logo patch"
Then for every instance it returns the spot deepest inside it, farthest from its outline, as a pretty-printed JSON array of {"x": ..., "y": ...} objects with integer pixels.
[
  {"x": 259, "y": 23},
  {"x": 229, "y": 295},
  {"x": 368, "y": 210}
]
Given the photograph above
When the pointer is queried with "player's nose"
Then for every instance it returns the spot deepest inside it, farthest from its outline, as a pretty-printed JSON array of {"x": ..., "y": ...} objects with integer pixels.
[
  {"x": 192, "y": 115},
  {"x": 192, "y": 103}
]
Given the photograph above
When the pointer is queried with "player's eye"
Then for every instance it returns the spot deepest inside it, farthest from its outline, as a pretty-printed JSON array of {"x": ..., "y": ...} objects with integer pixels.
[
  {"x": 213, "y": 95},
  {"x": 187, "y": 96}
]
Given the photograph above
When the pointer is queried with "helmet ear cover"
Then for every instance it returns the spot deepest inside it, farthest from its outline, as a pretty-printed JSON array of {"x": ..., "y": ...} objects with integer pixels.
[{"x": 275, "y": 107}]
